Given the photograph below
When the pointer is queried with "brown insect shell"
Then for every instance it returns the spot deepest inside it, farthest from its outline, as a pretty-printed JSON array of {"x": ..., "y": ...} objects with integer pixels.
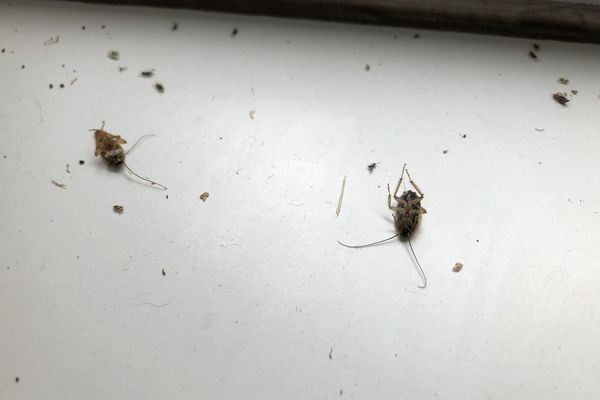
[
  {"x": 109, "y": 147},
  {"x": 407, "y": 218}
]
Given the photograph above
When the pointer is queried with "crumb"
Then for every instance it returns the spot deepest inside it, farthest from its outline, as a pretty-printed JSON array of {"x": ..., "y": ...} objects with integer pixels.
[
  {"x": 121, "y": 69},
  {"x": 163, "y": 272},
  {"x": 17, "y": 379},
  {"x": 371, "y": 167},
  {"x": 167, "y": 196},
  {"x": 204, "y": 196},
  {"x": 416, "y": 36},
  {"x": 23, "y": 66},
  {"x": 149, "y": 73},
  {"x": 103, "y": 26},
  {"x": 3, "y": 50},
  {"x": 457, "y": 267},
  {"x": 159, "y": 87},
  {"x": 367, "y": 67},
  {"x": 533, "y": 55},
  {"x": 81, "y": 162},
  {"x": 62, "y": 85},
  {"x": 561, "y": 98},
  {"x": 113, "y": 55},
  {"x": 464, "y": 136},
  {"x": 234, "y": 32},
  {"x": 251, "y": 114},
  {"x": 445, "y": 151},
  {"x": 331, "y": 354},
  {"x": 68, "y": 170},
  {"x": 563, "y": 81},
  {"x": 83, "y": 27},
  {"x": 175, "y": 26},
  {"x": 118, "y": 209},
  {"x": 575, "y": 92},
  {"x": 536, "y": 47},
  {"x": 51, "y": 86},
  {"x": 52, "y": 40},
  {"x": 60, "y": 185}
]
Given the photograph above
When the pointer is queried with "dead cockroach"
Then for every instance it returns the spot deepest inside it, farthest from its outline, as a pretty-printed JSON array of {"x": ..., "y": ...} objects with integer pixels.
[
  {"x": 109, "y": 147},
  {"x": 406, "y": 217}
]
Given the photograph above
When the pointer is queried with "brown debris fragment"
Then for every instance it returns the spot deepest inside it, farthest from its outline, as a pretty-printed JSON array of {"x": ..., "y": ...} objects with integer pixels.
[
  {"x": 52, "y": 40},
  {"x": 251, "y": 114},
  {"x": 561, "y": 98},
  {"x": 533, "y": 55},
  {"x": 234, "y": 32},
  {"x": 113, "y": 55},
  {"x": 575, "y": 92},
  {"x": 371, "y": 167},
  {"x": 159, "y": 87},
  {"x": 457, "y": 267},
  {"x": 204, "y": 196},
  {"x": 60, "y": 185},
  {"x": 149, "y": 73},
  {"x": 563, "y": 81},
  {"x": 118, "y": 209}
]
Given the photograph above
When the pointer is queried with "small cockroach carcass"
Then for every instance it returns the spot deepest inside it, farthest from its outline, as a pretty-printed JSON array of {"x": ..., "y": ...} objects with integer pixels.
[
  {"x": 407, "y": 214},
  {"x": 109, "y": 147}
]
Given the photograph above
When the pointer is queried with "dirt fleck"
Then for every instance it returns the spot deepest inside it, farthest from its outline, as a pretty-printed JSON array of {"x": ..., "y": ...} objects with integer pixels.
[
  {"x": 113, "y": 55},
  {"x": 331, "y": 354},
  {"x": 341, "y": 392},
  {"x": 68, "y": 170},
  {"x": 445, "y": 151},
  {"x": 103, "y": 27},
  {"x": 575, "y": 92},
  {"x": 81, "y": 162},
  {"x": 536, "y": 47},
  {"x": 122, "y": 69},
  {"x": 51, "y": 86},
  {"x": 251, "y": 114},
  {"x": 533, "y": 55},
  {"x": 175, "y": 26},
  {"x": 83, "y": 27},
  {"x": 149, "y": 73},
  {"x": 563, "y": 81},
  {"x": 17, "y": 379},
  {"x": 73, "y": 81},
  {"x": 457, "y": 267},
  {"x": 163, "y": 272},
  {"x": 561, "y": 98},
  {"x": 464, "y": 136},
  {"x": 539, "y": 129},
  {"x": 204, "y": 196},
  {"x": 60, "y": 185},
  {"x": 234, "y": 32},
  {"x": 3, "y": 50},
  {"x": 23, "y": 66},
  {"x": 416, "y": 35},
  {"x": 367, "y": 67},
  {"x": 371, "y": 167},
  {"x": 62, "y": 85},
  {"x": 159, "y": 87},
  {"x": 118, "y": 209},
  {"x": 52, "y": 40}
]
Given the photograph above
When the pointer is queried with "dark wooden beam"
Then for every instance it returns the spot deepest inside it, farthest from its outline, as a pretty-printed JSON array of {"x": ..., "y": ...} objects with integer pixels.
[{"x": 540, "y": 19}]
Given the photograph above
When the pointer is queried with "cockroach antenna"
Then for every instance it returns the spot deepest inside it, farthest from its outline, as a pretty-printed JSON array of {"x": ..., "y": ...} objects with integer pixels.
[{"x": 406, "y": 213}]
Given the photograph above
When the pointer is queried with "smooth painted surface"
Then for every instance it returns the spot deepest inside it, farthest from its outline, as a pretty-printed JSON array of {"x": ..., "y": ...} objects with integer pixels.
[{"x": 258, "y": 301}]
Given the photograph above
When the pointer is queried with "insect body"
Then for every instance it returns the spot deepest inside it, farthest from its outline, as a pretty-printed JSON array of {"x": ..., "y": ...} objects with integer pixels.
[
  {"x": 109, "y": 147},
  {"x": 406, "y": 213}
]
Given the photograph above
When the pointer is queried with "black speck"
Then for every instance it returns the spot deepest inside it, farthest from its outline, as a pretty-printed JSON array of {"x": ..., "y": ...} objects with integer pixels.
[
  {"x": 234, "y": 32},
  {"x": 445, "y": 151},
  {"x": 163, "y": 272},
  {"x": 23, "y": 66},
  {"x": 3, "y": 50},
  {"x": 83, "y": 27},
  {"x": 167, "y": 196},
  {"x": 536, "y": 47},
  {"x": 51, "y": 86},
  {"x": 175, "y": 26},
  {"x": 477, "y": 240},
  {"x": 464, "y": 136},
  {"x": 17, "y": 379},
  {"x": 331, "y": 354},
  {"x": 416, "y": 35},
  {"x": 367, "y": 67},
  {"x": 121, "y": 69},
  {"x": 81, "y": 162},
  {"x": 103, "y": 26},
  {"x": 62, "y": 85},
  {"x": 395, "y": 37},
  {"x": 4, "y": 156},
  {"x": 159, "y": 87},
  {"x": 220, "y": 137},
  {"x": 533, "y": 55}
]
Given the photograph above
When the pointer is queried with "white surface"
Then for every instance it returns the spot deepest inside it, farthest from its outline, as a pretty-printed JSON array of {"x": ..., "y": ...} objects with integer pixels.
[{"x": 257, "y": 291}]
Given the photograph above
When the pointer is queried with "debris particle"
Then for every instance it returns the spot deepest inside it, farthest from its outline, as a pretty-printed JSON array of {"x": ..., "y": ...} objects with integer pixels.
[
  {"x": 51, "y": 86},
  {"x": 62, "y": 85},
  {"x": 68, "y": 170},
  {"x": 60, "y": 185},
  {"x": 103, "y": 26},
  {"x": 341, "y": 392},
  {"x": 73, "y": 81},
  {"x": 175, "y": 26},
  {"x": 83, "y": 27},
  {"x": 445, "y": 151},
  {"x": 561, "y": 98},
  {"x": 159, "y": 87},
  {"x": 122, "y": 69},
  {"x": 3, "y": 50},
  {"x": 234, "y": 32},
  {"x": 331, "y": 354},
  {"x": 149, "y": 73},
  {"x": 539, "y": 129},
  {"x": 52, "y": 40},
  {"x": 367, "y": 67},
  {"x": 575, "y": 92},
  {"x": 17, "y": 379},
  {"x": 167, "y": 196},
  {"x": 23, "y": 66},
  {"x": 339, "y": 205},
  {"x": 464, "y": 136},
  {"x": 118, "y": 209},
  {"x": 536, "y": 47},
  {"x": 457, "y": 267},
  {"x": 371, "y": 167},
  {"x": 533, "y": 55},
  {"x": 416, "y": 35},
  {"x": 163, "y": 272},
  {"x": 251, "y": 114},
  {"x": 81, "y": 162},
  {"x": 563, "y": 81},
  {"x": 204, "y": 196},
  {"x": 113, "y": 55}
]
